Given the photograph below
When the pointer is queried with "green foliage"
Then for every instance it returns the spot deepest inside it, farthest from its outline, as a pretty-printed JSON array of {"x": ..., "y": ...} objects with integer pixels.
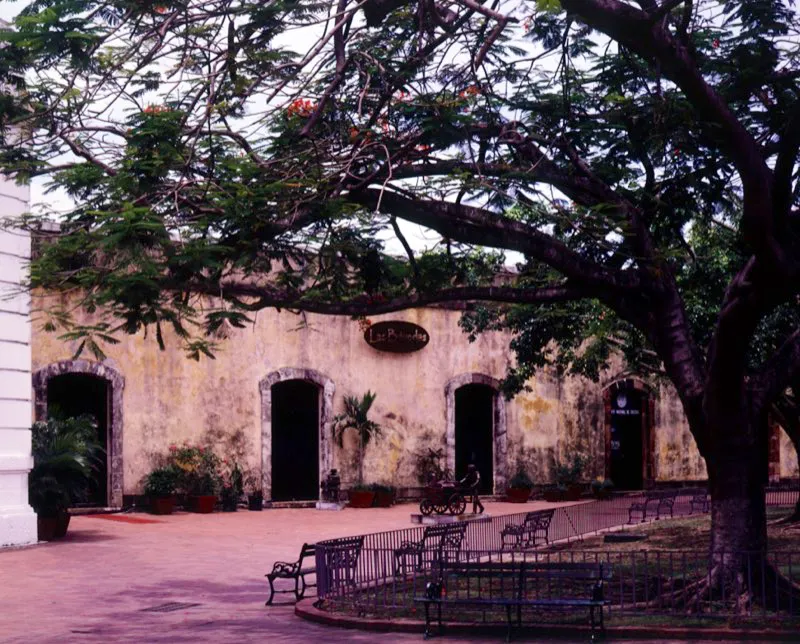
[
  {"x": 65, "y": 457},
  {"x": 198, "y": 469},
  {"x": 567, "y": 474},
  {"x": 162, "y": 481},
  {"x": 356, "y": 417},
  {"x": 521, "y": 479}
]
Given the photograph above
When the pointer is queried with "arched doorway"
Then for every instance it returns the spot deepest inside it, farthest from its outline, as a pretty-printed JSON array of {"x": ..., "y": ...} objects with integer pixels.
[
  {"x": 73, "y": 388},
  {"x": 295, "y": 440},
  {"x": 476, "y": 429},
  {"x": 629, "y": 435},
  {"x": 296, "y": 426}
]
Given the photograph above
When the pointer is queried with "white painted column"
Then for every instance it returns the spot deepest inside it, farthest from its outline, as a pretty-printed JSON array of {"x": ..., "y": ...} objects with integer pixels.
[{"x": 17, "y": 519}]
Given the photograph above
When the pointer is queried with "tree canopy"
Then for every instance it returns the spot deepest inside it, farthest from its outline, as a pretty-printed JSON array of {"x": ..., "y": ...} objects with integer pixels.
[{"x": 257, "y": 153}]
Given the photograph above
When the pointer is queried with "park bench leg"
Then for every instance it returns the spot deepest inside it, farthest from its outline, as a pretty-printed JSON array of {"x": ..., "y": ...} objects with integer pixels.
[
  {"x": 271, "y": 592},
  {"x": 427, "y": 620},
  {"x": 299, "y": 587},
  {"x": 508, "y": 615}
]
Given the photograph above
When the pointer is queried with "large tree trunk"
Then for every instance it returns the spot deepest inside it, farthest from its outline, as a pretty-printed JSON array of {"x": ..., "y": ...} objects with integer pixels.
[{"x": 736, "y": 482}]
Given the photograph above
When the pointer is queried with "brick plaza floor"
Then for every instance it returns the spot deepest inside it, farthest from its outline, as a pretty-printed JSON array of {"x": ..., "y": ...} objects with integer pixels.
[{"x": 93, "y": 585}]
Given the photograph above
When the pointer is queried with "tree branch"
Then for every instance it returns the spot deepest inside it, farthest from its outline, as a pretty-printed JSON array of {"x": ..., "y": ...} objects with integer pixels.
[
  {"x": 271, "y": 297},
  {"x": 472, "y": 225}
]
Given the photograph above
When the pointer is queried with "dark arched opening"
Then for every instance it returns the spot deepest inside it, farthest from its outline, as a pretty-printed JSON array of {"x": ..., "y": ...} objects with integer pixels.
[
  {"x": 474, "y": 432},
  {"x": 629, "y": 435},
  {"x": 295, "y": 440},
  {"x": 71, "y": 395}
]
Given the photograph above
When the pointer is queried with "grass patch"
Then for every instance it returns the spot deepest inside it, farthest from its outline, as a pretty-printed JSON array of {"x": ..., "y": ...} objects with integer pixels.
[{"x": 682, "y": 534}]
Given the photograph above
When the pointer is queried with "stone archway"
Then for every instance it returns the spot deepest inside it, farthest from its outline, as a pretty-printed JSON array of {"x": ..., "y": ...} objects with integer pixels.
[
  {"x": 117, "y": 381},
  {"x": 325, "y": 420},
  {"x": 647, "y": 411},
  {"x": 500, "y": 465}
]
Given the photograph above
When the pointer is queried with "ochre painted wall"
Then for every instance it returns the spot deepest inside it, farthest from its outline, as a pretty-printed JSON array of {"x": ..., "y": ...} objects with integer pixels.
[{"x": 169, "y": 398}]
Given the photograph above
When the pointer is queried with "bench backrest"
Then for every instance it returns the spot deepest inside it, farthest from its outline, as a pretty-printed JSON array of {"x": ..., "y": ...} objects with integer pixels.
[
  {"x": 512, "y": 577},
  {"x": 447, "y": 535},
  {"x": 539, "y": 520},
  {"x": 308, "y": 550},
  {"x": 344, "y": 553}
]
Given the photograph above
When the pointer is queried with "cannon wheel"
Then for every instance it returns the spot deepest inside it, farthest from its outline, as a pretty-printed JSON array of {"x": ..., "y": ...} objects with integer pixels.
[
  {"x": 457, "y": 504},
  {"x": 440, "y": 507},
  {"x": 426, "y": 507}
]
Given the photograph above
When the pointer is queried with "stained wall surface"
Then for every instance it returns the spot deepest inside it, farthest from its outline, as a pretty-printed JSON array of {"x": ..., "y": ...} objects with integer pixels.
[{"x": 169, "y": 398}]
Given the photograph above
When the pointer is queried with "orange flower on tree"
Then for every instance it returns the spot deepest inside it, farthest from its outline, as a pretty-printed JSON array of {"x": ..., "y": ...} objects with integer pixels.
[{"x": 301, "y": 107}]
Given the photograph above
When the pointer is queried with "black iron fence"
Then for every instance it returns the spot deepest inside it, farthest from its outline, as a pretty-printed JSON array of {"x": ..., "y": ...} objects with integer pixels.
[{"x": 381, "y": 573}]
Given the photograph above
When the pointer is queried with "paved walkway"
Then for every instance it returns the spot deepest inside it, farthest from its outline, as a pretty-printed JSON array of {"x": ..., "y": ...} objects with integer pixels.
[{"x": 93, "y": 585}]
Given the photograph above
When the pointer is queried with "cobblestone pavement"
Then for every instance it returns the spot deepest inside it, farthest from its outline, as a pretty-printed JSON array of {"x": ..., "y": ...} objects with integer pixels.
[{"x": 93, "y": 585}]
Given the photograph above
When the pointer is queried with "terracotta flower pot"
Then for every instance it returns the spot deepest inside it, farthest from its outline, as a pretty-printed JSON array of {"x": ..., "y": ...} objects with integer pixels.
[
  {"x": 518, "y": 494},
  {"x": 49, "y": 528},
  {"x": 162, "y": 504},
  {"x": 554, "y": 495},
  {"x": 255, "y": 502},
  {"x": 384, "y": 499},
  {"x": 361, "y": 499},
  {"x": 202, "y": 504},
  {"x": 573, "y": 493}
]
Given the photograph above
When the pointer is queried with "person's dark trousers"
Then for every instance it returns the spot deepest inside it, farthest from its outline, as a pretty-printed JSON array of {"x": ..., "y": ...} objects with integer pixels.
[{"x": 476, "y": 503}]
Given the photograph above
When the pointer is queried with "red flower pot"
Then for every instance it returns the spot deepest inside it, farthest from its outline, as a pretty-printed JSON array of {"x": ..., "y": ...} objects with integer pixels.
[
  {"x": 202, "y": 504},
  {"x": 162, "y": 504},
  {"x": 49, "y": 528},
  {"x": 574, "y": 493},
  {"x": 361, "y": 499},
  {"x": 518, "y": 494},
  {"x": 384, "y": 499}
]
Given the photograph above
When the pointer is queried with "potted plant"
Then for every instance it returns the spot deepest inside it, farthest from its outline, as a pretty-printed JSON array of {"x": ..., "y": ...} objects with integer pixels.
[
  {"x": 601, "y": 488},
  {"x": 569, "y": 476},
  {"x": 361, "y": 496},
  {"x": 65, "y": 456},
  {"x": 232, "y": 488},
  {"x": 356, "y": 417},
  {"x": 384, "y": 495},
  {"x": 519, "y": 487},
  {"x": 252, "y": 485},
  {"x": 199, "y": 477},
  {"x": 160, "y": 486}
]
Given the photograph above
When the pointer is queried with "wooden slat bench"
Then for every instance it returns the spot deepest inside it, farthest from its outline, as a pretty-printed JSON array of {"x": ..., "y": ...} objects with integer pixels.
[
  {"x": 524, "y": 535},
  {"x": 295, "y": 571},
  {"x": 441, "y": 540},
  {"x": 658, "y": 501},
  {"x": 509, "y": 587}
]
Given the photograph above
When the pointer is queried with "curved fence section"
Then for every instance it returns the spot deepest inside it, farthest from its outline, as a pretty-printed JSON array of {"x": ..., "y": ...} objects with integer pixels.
[{"x": 383, "y": 573}]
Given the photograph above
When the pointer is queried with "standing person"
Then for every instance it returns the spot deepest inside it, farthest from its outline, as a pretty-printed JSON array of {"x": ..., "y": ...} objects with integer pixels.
[{"x": 471, "y": 482}]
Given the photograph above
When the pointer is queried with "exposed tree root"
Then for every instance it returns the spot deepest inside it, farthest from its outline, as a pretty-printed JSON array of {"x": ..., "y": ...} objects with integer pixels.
[{"x": 738, "y": 590}]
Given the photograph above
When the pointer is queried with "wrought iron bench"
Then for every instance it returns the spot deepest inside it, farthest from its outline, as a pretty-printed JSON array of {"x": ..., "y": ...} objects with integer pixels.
[
  {"x": 292, "y": 570},
  {"x": 661, "y": 500},
  {"x": 440, "y": 540},
  {"x": 515, "y": 585},
  {"x": 525, "y": 534},
  {"x": 699, "y": 497}
]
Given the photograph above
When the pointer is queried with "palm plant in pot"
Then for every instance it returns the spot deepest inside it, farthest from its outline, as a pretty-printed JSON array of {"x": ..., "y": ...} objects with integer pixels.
[
  {"x": 159, "y": 487},
  {"x": 356, "y": 417},
  {"x": 519, "y": 487},
  {"x": 65, "y": 457}
]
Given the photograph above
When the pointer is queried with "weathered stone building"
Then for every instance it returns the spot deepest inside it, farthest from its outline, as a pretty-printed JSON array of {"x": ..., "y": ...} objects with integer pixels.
[{"x": 276, "y": 386}]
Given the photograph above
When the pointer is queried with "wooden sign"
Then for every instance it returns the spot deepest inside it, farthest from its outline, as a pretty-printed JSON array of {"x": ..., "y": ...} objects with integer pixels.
[{"x": 396, "y": 336}]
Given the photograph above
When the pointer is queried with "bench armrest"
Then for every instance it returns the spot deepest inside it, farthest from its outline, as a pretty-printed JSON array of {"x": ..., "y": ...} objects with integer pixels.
[{"x": 285, "y": 568}]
